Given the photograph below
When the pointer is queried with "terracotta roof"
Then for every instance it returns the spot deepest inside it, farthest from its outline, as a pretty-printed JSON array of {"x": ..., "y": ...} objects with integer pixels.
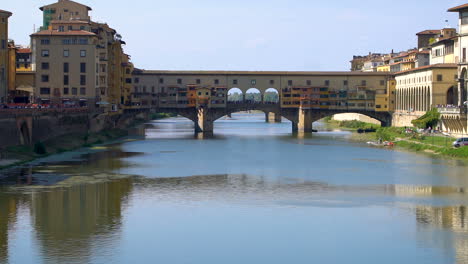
[
  {"x": 458, "y": 8},
  {"x": 429, "y": 32},
  {"x": 6, "y": 12},
  {"x": 284, "y": 73},
  {"x": 42, "y": 7},
  {"x": 435, "y": 66},
  {"x": 24, "y": 50},
  {"x": 63, "y": 33}
]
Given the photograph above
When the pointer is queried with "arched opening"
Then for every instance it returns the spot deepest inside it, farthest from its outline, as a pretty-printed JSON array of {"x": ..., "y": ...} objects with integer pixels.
[
  {"x": 235, "y": 95},
  {"x": 349, "y": 121},
  {"x": 451, "y": 96},
  {"x": 25, "y": 138},
  {"x": 271, "y": 96},
  {"x": 253, "y": 96}
]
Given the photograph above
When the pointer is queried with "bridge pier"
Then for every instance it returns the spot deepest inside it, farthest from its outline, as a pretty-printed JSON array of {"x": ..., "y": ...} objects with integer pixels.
[
  {"x": 305, "y": 120},
  {"x": 272, "y": 117},
  {"x": 205, "y": 121}
]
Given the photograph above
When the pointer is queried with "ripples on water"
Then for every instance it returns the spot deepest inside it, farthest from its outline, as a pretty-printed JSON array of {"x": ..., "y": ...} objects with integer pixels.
[{"x": 252, "y": 194}]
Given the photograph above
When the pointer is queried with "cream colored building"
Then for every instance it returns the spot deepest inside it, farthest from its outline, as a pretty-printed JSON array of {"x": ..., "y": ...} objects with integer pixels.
[
  {"x": 418, "y": 90},
  {"x": 65, "y": 65},
  {"x": 4, "y": 58}
]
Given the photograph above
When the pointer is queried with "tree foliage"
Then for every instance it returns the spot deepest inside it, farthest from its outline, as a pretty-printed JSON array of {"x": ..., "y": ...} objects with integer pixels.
[{"x": 429, "y": 119}]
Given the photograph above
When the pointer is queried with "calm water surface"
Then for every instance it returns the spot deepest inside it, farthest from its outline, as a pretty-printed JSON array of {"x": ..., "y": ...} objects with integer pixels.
[{"x": 252, "y": 194}]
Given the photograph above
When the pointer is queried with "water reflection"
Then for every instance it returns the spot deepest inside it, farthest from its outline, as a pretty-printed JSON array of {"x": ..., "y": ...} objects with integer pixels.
[{"x": 75, "y": 222}]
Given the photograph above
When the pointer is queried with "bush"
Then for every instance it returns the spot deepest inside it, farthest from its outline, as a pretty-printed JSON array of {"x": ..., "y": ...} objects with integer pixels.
[
  {"x": 429, "y": 119},
  {"x": 39, "y": 148}
]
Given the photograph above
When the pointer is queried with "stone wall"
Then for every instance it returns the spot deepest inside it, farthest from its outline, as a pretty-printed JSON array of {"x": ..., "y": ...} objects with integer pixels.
[{"x": 403, "y": 119}]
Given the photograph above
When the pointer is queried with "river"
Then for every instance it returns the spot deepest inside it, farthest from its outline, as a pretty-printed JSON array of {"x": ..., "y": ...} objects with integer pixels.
[{"x": 252, "y": 194}]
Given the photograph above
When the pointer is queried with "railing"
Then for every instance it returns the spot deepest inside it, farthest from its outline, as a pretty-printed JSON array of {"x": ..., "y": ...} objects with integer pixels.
[{"x": 454, "y": 110}]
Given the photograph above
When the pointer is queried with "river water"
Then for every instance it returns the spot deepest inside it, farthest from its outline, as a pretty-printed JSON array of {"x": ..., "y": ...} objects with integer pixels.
[{"x": 252, "y": 194}]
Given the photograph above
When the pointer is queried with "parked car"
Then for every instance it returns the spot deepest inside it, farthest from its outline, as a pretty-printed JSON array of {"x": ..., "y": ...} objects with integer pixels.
[{"x": 461, "y": 142}]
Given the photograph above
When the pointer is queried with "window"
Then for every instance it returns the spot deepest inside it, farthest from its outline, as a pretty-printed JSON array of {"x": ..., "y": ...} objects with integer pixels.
[
  {"x": 345, "y": 82},
  {"x": 363, "y": 82},
  {"x": 3, "y": 44},
  {"x": 439, "y": 77},
  {"x": 65, "y": 67},
  {"x": 82, "y": 79},
  {"x": 45, "y": 41},
  {"x": 253, "y": 82},
  {"x": 382, "y": 82},
  {"x": 74, "y": 91},
  {"x": 83, "y": 67},
  {"x": 70, "y": 27},
  {"x": 179, "y": 81},
  {"x": 66, "y": 90},
  {"x": 161, "y": 80},
  {"x": 65, "y": 80},
  {"x": 45, "y": 53},
  {"x": 82, "y": 53},
  {"x": 272, "y": 82},
  {"x": 464, "y": 18},
  {"x": 234, "y": 81},
  {"x": 45, "y": 65},
  {"x": 61, "y": 29},
  {"x": 309, "y": 82},
  {"x": 45, "y": 90},
  {"x": 45, "y": 78},
  {"x": 66, "y": 53},
  {"x": 136, "y": 80},
  {"x": 82, "y": 91},
  {"x": 198, "y": 81},
  {"x": 327, "y": 82},
  {"x": 216, "y": 81},
  {"x": 290, "y": 82},
  {"x": 82, "y": 27},
  {"x": 83, "y": 41}
]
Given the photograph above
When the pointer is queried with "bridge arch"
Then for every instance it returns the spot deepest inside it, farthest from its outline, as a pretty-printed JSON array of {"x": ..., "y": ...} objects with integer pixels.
[
  {"x": 253, "y": 95},
  {"x": 384, "y": 118},
  {"x": 271, "y": 95},
  {"x": 235, "y": 95},
  {"x": 25, "y": 135}
]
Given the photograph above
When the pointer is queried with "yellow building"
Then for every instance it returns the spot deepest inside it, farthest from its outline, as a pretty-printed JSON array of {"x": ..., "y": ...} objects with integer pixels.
[
  {"x": 418, "y": 90},
  {"x": 4, "y": 58},
  {"x": 385, "y": 99}
]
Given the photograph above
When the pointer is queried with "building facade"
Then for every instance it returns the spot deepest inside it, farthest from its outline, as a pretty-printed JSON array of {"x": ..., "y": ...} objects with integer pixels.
[
  {"x": 421, "y": 89},
  {"x": 4, "y": 55}
]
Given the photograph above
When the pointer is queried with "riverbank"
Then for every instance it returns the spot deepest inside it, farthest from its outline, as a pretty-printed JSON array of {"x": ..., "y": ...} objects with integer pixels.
[
  {"x": 18, "y": 155},
  {"x": 413, "y": 141}
]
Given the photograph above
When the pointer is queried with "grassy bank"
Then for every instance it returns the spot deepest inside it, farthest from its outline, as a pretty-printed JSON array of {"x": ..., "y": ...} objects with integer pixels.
[
  {"x": 410, "y": 140},
  {"x": 350, "y": 124},
  {"x": 433, "y": 144},
  {"x": 23, "y": 154}
]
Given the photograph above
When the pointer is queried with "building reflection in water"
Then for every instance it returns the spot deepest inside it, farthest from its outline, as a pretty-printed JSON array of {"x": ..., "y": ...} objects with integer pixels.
[
  {"x": 69, "y": 222},
  {"x": 9, "y": 204}
]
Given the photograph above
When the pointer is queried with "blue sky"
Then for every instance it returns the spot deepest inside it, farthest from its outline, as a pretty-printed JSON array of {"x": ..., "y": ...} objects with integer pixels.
[{"x": 253, "y": 34}]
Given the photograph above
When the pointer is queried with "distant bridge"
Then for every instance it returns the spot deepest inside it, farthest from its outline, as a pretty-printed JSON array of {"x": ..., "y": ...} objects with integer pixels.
[{"x": 303, "y": 97}]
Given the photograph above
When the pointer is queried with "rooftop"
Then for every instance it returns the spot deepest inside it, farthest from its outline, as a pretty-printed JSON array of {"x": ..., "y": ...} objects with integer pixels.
[
  {"x": 5, "y": 12},
  {"x": 435, "y": 66},
  {"x": 458, "y": 8},
  {"x": 429, "y": 32},
  {"x": 63, "y": 33},
  {"x": 24, "y": 50},
  {"x": 42, "y": 7}
]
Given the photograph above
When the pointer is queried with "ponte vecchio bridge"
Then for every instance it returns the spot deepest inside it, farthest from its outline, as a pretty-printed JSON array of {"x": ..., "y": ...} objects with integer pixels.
[{"x": 303, "y": 97}]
